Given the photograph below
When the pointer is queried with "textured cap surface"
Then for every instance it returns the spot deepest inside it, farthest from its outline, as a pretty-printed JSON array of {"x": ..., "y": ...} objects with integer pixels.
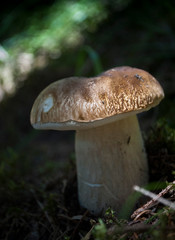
[{"x": 74, "y": 103}]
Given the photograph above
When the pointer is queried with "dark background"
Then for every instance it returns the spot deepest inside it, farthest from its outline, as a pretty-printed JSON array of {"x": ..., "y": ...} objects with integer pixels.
[{"x": 35, "y": 166}]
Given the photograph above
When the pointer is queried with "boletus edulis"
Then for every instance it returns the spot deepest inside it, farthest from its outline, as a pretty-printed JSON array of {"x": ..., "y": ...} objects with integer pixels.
[{"x": 110, "y": 154}]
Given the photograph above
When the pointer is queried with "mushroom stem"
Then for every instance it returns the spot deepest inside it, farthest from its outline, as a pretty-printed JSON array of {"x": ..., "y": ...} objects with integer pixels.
[{"x": 110, "y": 160}]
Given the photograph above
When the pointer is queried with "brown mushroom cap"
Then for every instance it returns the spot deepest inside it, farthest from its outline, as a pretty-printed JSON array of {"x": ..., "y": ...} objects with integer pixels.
[{"x": 74, "y": 103}]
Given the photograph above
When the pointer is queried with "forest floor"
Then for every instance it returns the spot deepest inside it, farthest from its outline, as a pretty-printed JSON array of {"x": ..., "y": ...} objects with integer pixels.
[{"x": 38, "y": 187}]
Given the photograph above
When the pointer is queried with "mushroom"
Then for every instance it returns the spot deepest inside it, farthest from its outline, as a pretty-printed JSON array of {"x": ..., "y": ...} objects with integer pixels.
[{"x": 109, "y": 149}]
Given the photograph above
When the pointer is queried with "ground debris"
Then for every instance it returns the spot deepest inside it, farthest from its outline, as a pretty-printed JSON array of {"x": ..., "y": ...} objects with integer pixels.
[{"x": 153, "y": 202}]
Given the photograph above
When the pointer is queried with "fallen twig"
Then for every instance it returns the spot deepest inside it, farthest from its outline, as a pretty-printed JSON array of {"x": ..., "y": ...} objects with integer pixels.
[
  {"x": 136, "y": 228},
  {"x": 78, "y": 224},
  {"x": 88, "y": 235},
  {"x": 155, "y": 198}
]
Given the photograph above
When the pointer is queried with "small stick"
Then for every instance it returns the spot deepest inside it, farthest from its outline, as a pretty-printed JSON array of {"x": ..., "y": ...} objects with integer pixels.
[
  {"x": 155, "y": 197},
  {"x": 152, "y": 201},
  {"x": 77, "y": 226},
  {"x": 88, "y": 235},
  {"x": 136, "y": 228}
]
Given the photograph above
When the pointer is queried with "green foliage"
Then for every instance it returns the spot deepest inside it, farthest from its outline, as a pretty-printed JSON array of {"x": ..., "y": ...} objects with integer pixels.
[
  {"x": 110, "y": 216},
  {"x": 66, "y": 238},
  {"x": 86, "y": 53},
  {"x": 59, "y": 26},
  {"x": 166, "y": 110},
  {"x": 100, "y": 231},
  {"x": 160, "y": 221},
  {"x": 162, "y": 136}
]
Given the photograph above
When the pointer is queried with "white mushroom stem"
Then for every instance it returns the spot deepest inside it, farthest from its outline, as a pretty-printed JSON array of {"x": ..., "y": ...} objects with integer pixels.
[{"x": 110, "y": 160}]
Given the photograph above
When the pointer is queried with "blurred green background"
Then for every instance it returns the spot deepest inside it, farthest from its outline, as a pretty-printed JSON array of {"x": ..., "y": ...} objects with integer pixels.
[{"x": 43, "y": 41}]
